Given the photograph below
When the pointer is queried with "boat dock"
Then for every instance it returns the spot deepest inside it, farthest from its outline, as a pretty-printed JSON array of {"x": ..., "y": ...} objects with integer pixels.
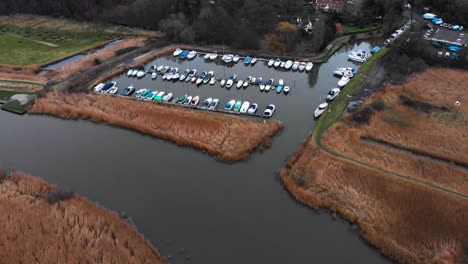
[{"x": 195, "y": 107}]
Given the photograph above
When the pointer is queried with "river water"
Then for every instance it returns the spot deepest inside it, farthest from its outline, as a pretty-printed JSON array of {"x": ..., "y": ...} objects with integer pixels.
[{"x": 190, "y": 206}]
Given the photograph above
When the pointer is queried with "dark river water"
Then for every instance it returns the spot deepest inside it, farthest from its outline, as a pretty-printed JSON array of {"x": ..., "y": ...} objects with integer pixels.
[{"x": 190, "y": 206}]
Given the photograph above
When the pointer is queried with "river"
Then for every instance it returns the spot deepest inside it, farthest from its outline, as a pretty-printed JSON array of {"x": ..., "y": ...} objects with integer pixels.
[{"x": 192, "y": 207}]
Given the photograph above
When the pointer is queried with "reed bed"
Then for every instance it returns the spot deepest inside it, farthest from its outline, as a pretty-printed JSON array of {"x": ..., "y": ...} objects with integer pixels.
[
  {"x": 407, "y": 222},
  {"x": 73, "y": 230},
  {"x": 227, "y": 137}
]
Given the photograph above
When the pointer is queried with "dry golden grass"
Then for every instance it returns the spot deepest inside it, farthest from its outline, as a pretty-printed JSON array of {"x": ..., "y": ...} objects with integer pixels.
[
  {"x": 407, "y": 221},
  {"x": 70, "y": 231},
  {"x": 22, "y": 87},
  {"x": 9, "y": 72},
  {"x": 227, "y": 137}
]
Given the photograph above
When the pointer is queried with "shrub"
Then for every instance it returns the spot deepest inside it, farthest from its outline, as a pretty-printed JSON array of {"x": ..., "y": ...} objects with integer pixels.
[
  {"x": 97, "y": 61},
  {"x": 377, "y": 105},
  {"x": 363, "y": 116},
  {"x": 58, "y": 195}
]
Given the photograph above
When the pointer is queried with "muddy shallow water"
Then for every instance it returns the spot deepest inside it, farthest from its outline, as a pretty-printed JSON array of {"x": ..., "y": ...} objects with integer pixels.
[{"x": 192, "y": 207}]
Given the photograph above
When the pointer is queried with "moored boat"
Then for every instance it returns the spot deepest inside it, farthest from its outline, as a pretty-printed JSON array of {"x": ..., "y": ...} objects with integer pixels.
[
  {"x": 177, "y": 52},
  {"x": 309, "y": 66},
  {"x": 229, "y": 105},
  {"x": 320, "y": 109}
]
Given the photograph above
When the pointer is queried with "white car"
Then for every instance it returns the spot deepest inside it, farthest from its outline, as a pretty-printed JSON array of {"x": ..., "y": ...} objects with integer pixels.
[
  {"x": 333, "y": 94},
  {"x": 252, "y": 108},
  {"x": 320, "y": 109},
  {"x": 269, "y": 110}
]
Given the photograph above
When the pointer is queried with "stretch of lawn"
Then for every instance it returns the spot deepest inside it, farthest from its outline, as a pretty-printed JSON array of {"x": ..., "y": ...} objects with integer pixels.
[
  {"x": 21, "y": 49},
  {"x": 348, "y": 29}
]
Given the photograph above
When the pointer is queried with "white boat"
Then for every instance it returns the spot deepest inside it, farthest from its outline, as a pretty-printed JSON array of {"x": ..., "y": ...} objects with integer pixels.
[
  {"x": 159, "y": 68},
  {"x": 302, "y": 66},
  {"x": 212, "y": 81},
  {"x": 253, "y": 61},
  {"x": 195, "y": 100},
  {"x": 194, "y": 79},
  {"x": 246, "y": 84},
  {"x": 182, "y": 77},
  {"x": 240, "y": 83},
  {"x": 113, "y": 90},
  {"x": 176, "y": 76},
  {"x": 271, "y": 62},
  {"x": 192, "y": 73},
  {"x": 207, "y": 56},
  {"x": 228, "y": 58},
  {"x": 214, "y": 103},
  {"x": 199, "y": 80},
  {"x": 187, "y": 100},
  {"x": 333, "y": 93},
  {"x": 343, "y": 82},
  {"x": 139, "y": 92},
  {"x": 252, "y": 108},
  {"x": 207, "y": 102},
  {"x": 277, "y": 63},
  {"x": 286, "y": 89},
  {"x": 191, "y": 54},
  {"x": 253, "y": 80},
  {"x": 262, "y": 87},
  {"x": 295, "y": 66},
  {"x": 134, "y": 73},
  {"x": 229, "y": 83},
  {"x": 282, "y": 64},
  {"x": 154, "y": 75},
  {"x": 269, "y": 84},
  {"x": 213, "y": 56},
  {"x": 340, "y": 71},
  {"x": 359, "y": 56},
  {"x": 281, "y": 82},
  {"x": 236, "y": 58},
  {"x": 245, "y": 106},
  {"x": 98, "y": 87},
  {"x": 210, "y": 74},
  {"x": 269, "y": 110},
  {"x": 309, "y": 66},
  {"x": 167, "y": 97},
  {"x": 320, "y": 109},
  {"x": 229, "y": 105},
  {"x": 164, "y": 69},
  {"x": 288, "y": 64},
  {"x": 129, "y": 72},
  {"x": 177, "y": 52},
  {"x": 223, "y": 82}
]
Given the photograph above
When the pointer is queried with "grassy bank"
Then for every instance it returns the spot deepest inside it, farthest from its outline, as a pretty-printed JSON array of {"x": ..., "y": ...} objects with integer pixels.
[
  {"x": 226, "y": 137},
  {"x": 41, "y": 224},
  {"x": 351, "y": 30}
]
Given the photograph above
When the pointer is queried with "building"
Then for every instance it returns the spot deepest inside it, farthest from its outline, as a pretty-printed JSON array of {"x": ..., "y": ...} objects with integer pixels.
[
  {"x": 330, "y": 5},
  {"x": 450, "y": 37}
]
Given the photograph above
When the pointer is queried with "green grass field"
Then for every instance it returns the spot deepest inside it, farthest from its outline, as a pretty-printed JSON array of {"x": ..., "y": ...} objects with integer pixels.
[{"x": 22, "y": 49}]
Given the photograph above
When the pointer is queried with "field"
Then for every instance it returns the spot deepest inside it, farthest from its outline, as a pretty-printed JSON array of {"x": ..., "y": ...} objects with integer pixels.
[
  {"x": 35, "y": 40},
  {"x": 227, "y": 137},
  {"x": 41, "y": 224},
  {"x": 397, "y": 168}
]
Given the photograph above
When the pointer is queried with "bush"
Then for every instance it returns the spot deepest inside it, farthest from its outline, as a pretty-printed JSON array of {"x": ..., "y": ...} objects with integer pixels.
[
  {"x": 124, "y": 50},
  {"x": 377, "y": 105},
  {"x": 97, "y": 61},
  {"x": 363, "y": 116},
  {"x": 58, "y": 195}
]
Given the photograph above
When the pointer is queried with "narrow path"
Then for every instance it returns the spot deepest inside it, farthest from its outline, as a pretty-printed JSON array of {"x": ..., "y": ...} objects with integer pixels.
[{"x": 37, "y": 41}]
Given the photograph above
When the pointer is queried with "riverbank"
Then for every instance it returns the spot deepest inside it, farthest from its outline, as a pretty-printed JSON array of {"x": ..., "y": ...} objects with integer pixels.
[
  {"x": 411, "y": 203},
  {"x": 228, "y": 138},
  {"x": 39, "y": 223}
]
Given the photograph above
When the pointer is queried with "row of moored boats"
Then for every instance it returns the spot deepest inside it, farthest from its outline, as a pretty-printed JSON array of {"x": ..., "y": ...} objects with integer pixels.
[
  {"x": 345, "y": 74},
  {"x": 244, "y": 107}
]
